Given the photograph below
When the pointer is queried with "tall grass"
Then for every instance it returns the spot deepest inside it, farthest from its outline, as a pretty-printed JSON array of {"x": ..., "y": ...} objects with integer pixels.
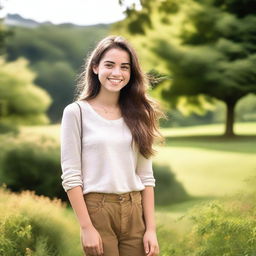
[{"x": 35, "y": 225}]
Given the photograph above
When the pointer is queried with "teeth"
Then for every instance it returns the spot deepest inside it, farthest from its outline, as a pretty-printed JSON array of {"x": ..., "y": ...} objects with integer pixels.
[{"x": 115, "y": 80}]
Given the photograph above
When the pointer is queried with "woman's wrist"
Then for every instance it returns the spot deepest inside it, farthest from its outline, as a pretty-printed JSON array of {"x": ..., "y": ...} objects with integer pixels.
[
  {"x": 151, "y": 228},
  {"x": 86, "y": 226}
]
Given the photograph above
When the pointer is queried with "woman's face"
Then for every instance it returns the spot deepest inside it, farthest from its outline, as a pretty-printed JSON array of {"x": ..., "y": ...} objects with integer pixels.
[{"x": 114, "y": 70}]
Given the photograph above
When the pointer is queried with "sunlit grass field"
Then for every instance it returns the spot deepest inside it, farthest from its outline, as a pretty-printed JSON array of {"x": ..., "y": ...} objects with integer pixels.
[{"x": 206, "y": 163}]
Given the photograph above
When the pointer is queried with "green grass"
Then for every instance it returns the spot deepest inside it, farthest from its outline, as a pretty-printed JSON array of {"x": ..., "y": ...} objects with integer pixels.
[
  {"x": 52, "y": 131},
  {"x": 208, "y": 164},
  {"x": 210, "y": 129}
]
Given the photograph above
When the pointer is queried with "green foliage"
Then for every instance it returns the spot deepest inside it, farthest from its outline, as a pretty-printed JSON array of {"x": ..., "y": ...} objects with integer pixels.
[
  {"x": 246, "y": 109},
  {"x": 4, "y": 33},
  {"x": 15, "y": 235},
  {"x": 168, "y": 190},
  {"x": 30, "y": 166},
  {"x": 28, "y": 229},
  {"x": 239, "y": 8},
  {"x": 55, "y": 54},
  {"x": 21, "y": 101},
  {"x": 221, "y": 227},
  {"x": 208, "y": 47},
  {"x": 177, "y": 119},
  {"x": 166, "y": 237},
  {"x": 7, "y": 127},
  {"x": 245, "y": 112},
  {"x": 57, "y": 80}
]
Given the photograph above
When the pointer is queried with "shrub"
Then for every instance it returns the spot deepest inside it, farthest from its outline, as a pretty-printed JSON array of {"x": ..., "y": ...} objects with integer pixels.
[
  {"x": 168, "y": 190},
  {"x": 8, "y": 128},
  {"x": 226, "y": 228},
  {"x": 221, "y": 227},
  {"x": 29, "y": 166},
  {"x": 28, "y": 229}
]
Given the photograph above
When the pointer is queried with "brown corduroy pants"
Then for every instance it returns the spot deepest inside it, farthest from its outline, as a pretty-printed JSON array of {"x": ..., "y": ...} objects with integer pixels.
[{"x": 119, "y": 220}]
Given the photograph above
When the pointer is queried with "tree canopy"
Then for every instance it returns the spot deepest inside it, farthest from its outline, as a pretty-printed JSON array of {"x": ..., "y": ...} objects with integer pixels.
[
  {"x": 21, "y": 101},
  {"x": 207, "y": 46},
  {"x": 55, "y": 54}
]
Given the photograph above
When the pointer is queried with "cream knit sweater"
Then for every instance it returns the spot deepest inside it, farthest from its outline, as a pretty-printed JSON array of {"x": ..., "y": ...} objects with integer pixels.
[{"x": 109, "y": 163}]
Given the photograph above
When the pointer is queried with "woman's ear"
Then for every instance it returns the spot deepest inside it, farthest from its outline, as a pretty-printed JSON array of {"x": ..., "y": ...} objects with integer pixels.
[{"x": 95, "y": 70}]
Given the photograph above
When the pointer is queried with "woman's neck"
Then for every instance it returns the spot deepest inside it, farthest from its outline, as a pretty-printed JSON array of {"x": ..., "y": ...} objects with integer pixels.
[{"x": 107, "y": 99}]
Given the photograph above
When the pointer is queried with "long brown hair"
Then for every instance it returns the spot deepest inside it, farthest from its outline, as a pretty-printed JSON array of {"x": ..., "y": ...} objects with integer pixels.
[{"x": 140, "y": 112}]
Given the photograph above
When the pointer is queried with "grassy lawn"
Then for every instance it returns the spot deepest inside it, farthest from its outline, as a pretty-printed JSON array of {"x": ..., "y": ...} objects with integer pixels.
[
  {"x": 210, "y": 129},
  {"x": 208, "y": 164}
]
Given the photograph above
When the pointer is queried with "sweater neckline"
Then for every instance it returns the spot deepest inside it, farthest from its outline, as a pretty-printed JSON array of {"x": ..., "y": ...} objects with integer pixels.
[{"x": 92, "y": 110}]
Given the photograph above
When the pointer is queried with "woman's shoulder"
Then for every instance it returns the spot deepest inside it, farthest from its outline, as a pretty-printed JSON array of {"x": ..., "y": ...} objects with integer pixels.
[{"x": 71, "y": 109}]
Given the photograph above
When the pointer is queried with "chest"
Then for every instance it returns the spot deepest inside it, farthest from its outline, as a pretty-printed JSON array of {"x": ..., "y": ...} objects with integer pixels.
[{"x": 107, "y": 135}]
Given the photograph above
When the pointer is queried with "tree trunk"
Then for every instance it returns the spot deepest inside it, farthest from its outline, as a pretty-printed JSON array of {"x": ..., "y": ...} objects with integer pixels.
[{"x": 230, "y": 114}]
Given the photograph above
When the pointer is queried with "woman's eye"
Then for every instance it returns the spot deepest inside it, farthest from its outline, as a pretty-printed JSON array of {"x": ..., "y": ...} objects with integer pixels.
[
  {"x": 108, "y": 65},
  {"x": 125, "y": 67}
]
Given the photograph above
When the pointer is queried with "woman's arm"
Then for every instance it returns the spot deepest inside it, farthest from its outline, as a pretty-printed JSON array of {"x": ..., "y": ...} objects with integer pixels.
[
  {"x": 150, "y": 239},
  {"x": 72, "y": 178},
  {"x": 90, "y": 238},
  {"x": 77, "y": 202}
]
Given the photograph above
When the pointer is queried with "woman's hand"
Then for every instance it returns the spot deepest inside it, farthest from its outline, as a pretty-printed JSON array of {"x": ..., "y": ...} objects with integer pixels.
[
  {"x": 91, "y": 241},
  {"x": 150, "y": 243}
]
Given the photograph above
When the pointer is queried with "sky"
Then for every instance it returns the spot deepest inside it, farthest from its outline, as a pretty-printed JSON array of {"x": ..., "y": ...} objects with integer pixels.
[{"x": 81, "y": 12}]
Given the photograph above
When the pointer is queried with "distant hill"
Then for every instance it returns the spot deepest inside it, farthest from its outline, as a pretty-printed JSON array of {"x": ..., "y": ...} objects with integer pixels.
[{"x": 19, "y": 21}]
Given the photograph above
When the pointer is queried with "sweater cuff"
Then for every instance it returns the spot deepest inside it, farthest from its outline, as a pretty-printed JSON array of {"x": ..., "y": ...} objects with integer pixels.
[
  {"x": 71, "y": 179},
  {"x": 148, "y": 181}
]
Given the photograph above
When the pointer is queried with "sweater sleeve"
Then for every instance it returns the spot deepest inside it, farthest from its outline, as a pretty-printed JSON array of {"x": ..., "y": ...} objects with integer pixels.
[
  {"x": 145, "y": 170},
  {"x": 71, "y": 148}
]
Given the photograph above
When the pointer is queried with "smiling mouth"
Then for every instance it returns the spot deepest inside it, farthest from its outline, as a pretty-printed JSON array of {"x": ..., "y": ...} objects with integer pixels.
[{"x": 115, "y": 81}]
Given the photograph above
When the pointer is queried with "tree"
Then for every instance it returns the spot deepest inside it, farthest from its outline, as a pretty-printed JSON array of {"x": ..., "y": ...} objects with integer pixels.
[
  {"x": 4, "y": 33},
  {"x": 21, "y": 101},
  {"x": 213, "y": 53},
  {"x": 55, "y": 54}
]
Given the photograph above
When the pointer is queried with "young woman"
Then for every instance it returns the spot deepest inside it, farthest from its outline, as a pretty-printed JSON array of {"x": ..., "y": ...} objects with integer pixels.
[{"x": 107, "y": 173}]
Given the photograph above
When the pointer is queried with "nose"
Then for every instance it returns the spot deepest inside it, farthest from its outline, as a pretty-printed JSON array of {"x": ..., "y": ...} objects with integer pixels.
[{"x": 116, "y": 71}]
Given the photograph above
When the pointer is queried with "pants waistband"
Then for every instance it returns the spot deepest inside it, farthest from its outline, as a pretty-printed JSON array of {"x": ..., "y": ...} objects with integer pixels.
[{"x": 134, "y": 196}]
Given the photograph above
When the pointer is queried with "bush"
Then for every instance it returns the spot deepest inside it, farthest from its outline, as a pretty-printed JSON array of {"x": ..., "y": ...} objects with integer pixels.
[
  {"x": 29, "y": 166},
  {"x": 168, "y": 190},
  {"x": 8, "y": 128},
  {"x": 28, "y": 229},
  {"x": 221, "y": 227}
]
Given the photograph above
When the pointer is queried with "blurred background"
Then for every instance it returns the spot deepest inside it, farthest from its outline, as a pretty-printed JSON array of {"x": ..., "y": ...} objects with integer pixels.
[{"x": 200, "y": 56}]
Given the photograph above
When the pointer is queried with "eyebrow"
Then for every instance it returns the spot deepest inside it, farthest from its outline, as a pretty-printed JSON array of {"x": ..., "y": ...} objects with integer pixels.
[{"x": 112, "y": 62}]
